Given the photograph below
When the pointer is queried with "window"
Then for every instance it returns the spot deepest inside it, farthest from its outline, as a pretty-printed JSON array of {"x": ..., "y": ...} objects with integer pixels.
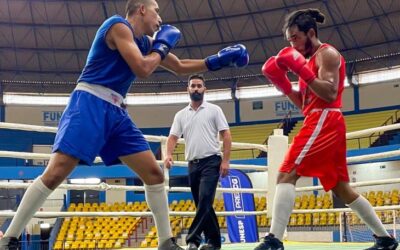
[{"x": 257, "y": 105}]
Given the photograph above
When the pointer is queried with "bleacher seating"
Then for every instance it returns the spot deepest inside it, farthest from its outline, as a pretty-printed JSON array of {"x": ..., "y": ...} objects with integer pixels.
[
  {"x": 365, "y": 121},
  {"x": 354, "y": 123},
  {"x": 248, "y": 133},
  {"x": 100, "y": 232},
  {"x": 376, "y": 198},
  {"x": 179, "y": 223},
  {"x": 112, "y": 233}
]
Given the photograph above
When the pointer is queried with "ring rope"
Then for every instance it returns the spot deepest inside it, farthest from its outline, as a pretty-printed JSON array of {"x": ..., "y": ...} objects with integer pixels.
[
  {"x": 9, "y": 214},
  {"x": 353, "y": 159},
  {"x": 149, "y": 138},
  {"x": 106, "y": 187}
]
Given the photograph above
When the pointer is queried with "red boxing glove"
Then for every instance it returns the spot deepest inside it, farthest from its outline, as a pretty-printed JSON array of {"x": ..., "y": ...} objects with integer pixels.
[
  {"x": 277, "y": 76},
  {"x": 290, "y": 58}
]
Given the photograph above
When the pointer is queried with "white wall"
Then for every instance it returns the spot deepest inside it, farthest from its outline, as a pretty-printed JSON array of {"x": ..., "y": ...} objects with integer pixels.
[
  {"x": 375, "y": 171},
  {"x": 357, "y": 173},
  {"x": 113, "y": 196},
  {"x": 278, "y": 107},
  {"x": 274, "y": 108},
  {"x": 379, "y": 94},
  {"x": 34, "y": 115},
  {"x": 152, "y": 116}
]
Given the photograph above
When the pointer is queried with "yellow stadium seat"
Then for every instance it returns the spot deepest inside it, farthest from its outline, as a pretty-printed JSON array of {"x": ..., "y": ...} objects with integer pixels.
[
  {"x": 355, "y": 220},
  {"x": 308, "y": 220},
  {"x": 144, "y": 243},
  {"x": 323, "y": 219},
  {"x": 293, "y": 220},
  {"x": 58, "y": 245},
  {"x": 300, "y": 219},
  {"x": 75, "y": 245},
  {"x": 297, "y": 202},
  {"x": 315, "y": 217},
  {"x": 91, "y": 245},
  {"x": 331, "y": 218},
  {"x": 154, "y": 243}
]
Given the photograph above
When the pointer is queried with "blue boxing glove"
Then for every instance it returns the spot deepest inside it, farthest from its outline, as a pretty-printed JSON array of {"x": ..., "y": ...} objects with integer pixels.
[
  {"x": 235, "y": 55},
  {"x": 166, "y": 38}
]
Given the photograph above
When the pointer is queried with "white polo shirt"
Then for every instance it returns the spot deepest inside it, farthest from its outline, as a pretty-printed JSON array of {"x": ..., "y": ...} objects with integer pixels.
[{"x": 200, "y": 129}]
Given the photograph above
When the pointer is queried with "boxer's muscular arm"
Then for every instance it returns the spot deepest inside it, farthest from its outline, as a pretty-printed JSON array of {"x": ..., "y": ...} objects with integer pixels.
[
  {"x": 296, "y": 98},
  {"x": 179, "y": 66},
  {"x": 120, "y": 37},
  {"x": 183, "y": 66},
  {"x": 326, "y": 84}
]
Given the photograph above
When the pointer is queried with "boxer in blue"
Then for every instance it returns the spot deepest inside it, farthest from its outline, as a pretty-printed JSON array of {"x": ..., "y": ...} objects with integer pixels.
[{"x": 96, "y": 122}]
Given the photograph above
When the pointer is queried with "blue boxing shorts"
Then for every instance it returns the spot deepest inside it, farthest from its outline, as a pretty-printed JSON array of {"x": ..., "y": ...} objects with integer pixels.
[{"x": 91, "y": 126}]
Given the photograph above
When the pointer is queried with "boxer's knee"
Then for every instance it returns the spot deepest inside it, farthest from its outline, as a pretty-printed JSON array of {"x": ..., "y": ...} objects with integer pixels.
[{"x": 291, "y": 177}]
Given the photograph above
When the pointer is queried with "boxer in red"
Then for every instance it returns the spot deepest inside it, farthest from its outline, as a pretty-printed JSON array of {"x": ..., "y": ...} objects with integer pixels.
[{"x": 319, "y": 149}]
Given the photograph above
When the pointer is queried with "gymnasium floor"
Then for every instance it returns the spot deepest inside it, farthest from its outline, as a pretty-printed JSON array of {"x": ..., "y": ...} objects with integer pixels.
[{"x": 296, "y": 246}]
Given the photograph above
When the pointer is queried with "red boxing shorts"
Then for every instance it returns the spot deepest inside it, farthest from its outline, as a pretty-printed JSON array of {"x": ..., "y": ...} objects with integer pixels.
[{"x": 319, "y": 149}]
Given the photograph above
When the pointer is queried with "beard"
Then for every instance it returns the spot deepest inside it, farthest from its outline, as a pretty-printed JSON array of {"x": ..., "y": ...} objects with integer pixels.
[{"x": 196, "y": 96}]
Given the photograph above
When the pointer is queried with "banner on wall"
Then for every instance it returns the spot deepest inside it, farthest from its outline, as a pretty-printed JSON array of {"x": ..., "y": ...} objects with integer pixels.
[
  {"x": 241, "y": 228},
  {"x": 282, "y": 108},
  {"x": 51, "y": 118}
]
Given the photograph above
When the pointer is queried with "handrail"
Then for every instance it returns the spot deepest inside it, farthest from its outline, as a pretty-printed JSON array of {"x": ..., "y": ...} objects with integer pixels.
[{"x": 377, "y": 135}]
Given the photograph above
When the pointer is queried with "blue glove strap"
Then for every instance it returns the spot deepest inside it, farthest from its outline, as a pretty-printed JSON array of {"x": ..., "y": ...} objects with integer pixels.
[
  {"x": 212, "y": 63},
  {"x": 161, "y": 49}
]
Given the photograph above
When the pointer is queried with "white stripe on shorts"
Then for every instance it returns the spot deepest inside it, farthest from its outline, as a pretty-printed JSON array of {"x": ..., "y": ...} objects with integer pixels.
[{"x": 313, "y": 137}]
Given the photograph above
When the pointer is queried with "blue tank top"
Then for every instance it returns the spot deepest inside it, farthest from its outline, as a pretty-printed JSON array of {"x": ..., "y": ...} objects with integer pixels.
[{"x": 107, "y": 67}]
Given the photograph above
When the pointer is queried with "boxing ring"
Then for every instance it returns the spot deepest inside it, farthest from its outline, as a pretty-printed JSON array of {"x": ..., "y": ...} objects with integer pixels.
[{"x": 264, "y": 169}]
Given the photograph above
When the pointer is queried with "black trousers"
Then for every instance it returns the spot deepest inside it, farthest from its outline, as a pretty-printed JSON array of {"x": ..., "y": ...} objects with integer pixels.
[{"x": 203, "y": 181}]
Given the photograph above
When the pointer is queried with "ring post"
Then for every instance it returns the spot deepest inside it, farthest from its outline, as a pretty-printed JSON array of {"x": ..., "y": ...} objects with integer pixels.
[
  {"x": 163, "y": 142},
  {"x": 277, "y": 147}
]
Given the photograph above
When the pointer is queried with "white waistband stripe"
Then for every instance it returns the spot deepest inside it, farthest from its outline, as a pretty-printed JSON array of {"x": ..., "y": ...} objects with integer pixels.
[{"x": 102, "y": 92}]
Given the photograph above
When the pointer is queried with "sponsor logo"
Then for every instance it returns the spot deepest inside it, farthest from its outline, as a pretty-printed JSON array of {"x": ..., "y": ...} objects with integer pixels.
[
  {"x": 237, "y": 197},
  {"x": 51, "y": 118},
  {"x": 282, "y": 108},
  {"x": 242, "y": 231}
]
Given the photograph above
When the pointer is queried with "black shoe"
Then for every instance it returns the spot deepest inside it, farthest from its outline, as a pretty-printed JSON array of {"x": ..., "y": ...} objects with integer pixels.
[
  {"x": 191, "y": 246},
  {"x": 270, "y": 243},
  {"x": 170, "y": 244},
  {"x": 384, "y": 243},
  {"x": 9, "y": 244},
  {"x": 209, "y": 246}
]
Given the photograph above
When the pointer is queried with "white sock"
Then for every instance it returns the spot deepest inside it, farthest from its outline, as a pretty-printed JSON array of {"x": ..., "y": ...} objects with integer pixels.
[
  {"x": 367, "y": 214},
  {"x": 282, "y": 208},
  {"x": 33, "y": 199},
  {"x": 156, "y": 198}
]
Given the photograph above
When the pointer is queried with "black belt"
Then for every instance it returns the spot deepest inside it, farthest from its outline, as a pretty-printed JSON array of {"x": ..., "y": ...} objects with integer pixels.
[{"x": 197, "y": 161}]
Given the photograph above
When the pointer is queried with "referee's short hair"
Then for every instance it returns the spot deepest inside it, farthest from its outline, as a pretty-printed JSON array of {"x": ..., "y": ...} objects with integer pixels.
[{"x": 197, "y": 76}]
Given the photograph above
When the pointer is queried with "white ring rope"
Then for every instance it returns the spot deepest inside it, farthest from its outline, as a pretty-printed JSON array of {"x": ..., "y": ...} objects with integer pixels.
[
  {"x": 375, "y": 156},
  {"x": 234, "y": 166},
  {"x": 360, "y": 133},
  {"x": 9, "y": 214},
  {"x": 354, "y": 184},
  {"x": 106, "y": 187},
  {"x": 353, "y": 159},
  {"x": 150, "y": 138},
  {"x": 41, "y": 156}
]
